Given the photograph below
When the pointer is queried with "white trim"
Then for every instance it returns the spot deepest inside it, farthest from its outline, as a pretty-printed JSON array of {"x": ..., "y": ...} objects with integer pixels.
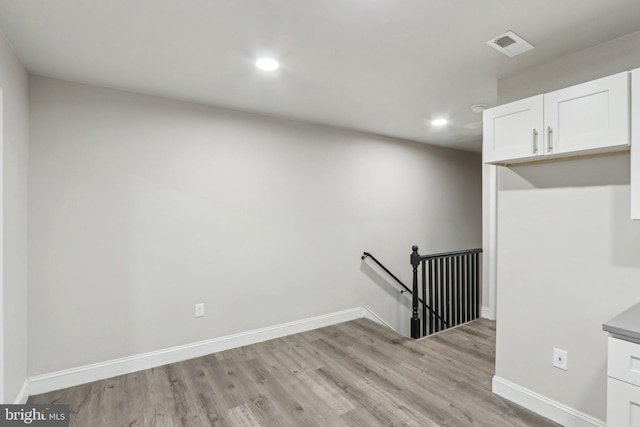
[
  {"x": 451, "y": 328},
  {"x": 367, "y": 313},
  {"x": 98, "y": 371},
  {"x": 23, "y": 394},
  {"x": 2, "y": 324},
  {"x": 489, "y": 237},
  {"x": 486, "y": 313},
  {"x": 493, "y": 241},
  {"x": 542, "y": 405}
]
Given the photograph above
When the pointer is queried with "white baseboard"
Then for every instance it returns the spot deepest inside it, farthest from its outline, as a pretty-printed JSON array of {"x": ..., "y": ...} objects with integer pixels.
[
  {"x": 99, "y": 371},
  {"x": 23, "y": 394},
  {"x": 367, "y": 313},
  {"x": 542, "y": 405},
  {"x": 486, "y": 313}
]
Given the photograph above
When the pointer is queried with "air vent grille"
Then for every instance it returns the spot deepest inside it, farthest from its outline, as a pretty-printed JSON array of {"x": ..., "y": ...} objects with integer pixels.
[
  {"x": 504, "y": 41},
  {"x": 510, "y": 44}
]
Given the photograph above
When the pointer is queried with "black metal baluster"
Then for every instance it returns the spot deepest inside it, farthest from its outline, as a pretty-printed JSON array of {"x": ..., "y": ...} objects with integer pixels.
[
  {"x": 473, "y": 287},
  {"x": 434, "y": 306},
  {"x": 415, "y": 318},
  {"x": 447, "y": 296},
  {"x": 476, "y": 257},
  {"x": 467, "y": 315},
  {"x": 441, "y": 292},
  {"x": 431, "y": 304},
  {"x": 463, "y": 273},
  {"x": 460, "y": 293},
  {"x": 424, "y": 298},
  {"x": 455, "y": 289},
  {"x": 454, "y": 295},
  {"x": 436, "y": 293},
  {"x": 460, "y": 290},
  {"x": 452, "y": 285}
]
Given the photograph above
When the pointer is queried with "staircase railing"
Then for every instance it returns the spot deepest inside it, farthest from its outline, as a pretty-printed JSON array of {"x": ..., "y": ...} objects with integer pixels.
[
  {"x": 405, "y": 288},
  {"x": 450, "y": 287}
]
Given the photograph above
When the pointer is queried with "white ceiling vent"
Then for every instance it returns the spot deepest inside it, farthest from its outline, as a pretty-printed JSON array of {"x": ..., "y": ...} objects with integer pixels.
[{"x": 510, "y": 44}]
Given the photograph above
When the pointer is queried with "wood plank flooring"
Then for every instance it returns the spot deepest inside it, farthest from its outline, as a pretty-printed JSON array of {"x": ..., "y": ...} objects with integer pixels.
[{"x": 352, "y": 374}]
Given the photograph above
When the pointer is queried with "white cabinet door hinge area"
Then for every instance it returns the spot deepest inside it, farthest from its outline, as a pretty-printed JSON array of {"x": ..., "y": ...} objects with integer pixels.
[
  {"x": 589, "y": 116},
  {"x": 514, "y": 131}
]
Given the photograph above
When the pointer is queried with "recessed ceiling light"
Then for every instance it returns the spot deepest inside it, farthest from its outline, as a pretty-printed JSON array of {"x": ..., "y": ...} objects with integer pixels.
[
  {"x": 439, "y": 122},
  {"x": 267, "y": 64}
]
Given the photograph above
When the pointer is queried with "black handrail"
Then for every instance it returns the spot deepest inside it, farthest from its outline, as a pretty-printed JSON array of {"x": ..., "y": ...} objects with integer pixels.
[
  {"x": 368, "y": 255},
  {"x": 406, "y": 289},
  {"x": 448, "y": 254}
]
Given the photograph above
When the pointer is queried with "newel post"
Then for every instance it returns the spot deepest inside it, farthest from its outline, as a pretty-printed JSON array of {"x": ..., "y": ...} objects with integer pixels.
[{"x": 415, "y": 319}]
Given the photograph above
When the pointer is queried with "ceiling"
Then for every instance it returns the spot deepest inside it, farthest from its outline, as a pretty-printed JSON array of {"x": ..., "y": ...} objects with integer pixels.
[{"x": 382, "y": 66}]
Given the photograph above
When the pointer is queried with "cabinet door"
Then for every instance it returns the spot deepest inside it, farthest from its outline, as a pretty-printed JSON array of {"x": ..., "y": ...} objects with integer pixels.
[
  {"x": 623, "y": 404},
  {"x": 591, "y": 116},
  {"x": 513, "y": 131},
  {"x": 623, "y": 361},
  {"x": 635, "y": 144}
]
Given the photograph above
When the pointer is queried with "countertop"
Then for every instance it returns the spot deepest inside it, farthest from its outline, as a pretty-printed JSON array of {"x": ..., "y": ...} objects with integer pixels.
[{"x": 625, "y": 324}]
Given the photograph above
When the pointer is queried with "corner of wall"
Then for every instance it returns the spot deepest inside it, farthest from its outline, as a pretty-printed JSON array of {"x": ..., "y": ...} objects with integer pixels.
[
  {"x": 14, "y": 156},
  {"x": 368, "y": 313},
  {"x": 23, "y": 395}
]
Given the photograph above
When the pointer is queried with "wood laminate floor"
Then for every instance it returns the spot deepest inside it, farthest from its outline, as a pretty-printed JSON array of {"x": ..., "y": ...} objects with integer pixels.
[{"x": 352, "y": 374}]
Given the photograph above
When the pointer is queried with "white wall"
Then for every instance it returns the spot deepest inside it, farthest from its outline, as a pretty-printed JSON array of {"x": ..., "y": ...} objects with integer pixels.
[
  {"x": 568, "y": 253},
  {"x": 140, "y": 207},
  {"x": 13, "y": 203},
  {"x": 598, "y": 61}
]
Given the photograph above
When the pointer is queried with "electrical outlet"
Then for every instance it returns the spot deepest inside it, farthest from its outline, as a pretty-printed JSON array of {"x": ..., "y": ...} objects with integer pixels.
[
  {"x": 200, "y": 309},
  {"x": 560, "y": 359}
]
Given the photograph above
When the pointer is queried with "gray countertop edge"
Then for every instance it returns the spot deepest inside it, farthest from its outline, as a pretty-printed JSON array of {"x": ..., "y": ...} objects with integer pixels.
[{"x": 625, "y": 324}]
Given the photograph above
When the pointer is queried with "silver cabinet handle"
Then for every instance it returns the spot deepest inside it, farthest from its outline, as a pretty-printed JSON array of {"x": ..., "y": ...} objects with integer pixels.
[
  {"x": 550, "y": 138},
  {"x": 535, "y": 141}
]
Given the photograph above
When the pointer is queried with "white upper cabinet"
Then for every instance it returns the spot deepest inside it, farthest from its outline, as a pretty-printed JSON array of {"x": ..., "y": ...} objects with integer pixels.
[
  {"x": 588, "y": 118},
  {"x": 635, "y": 144},
  {"x": 513, "y": 131}
]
